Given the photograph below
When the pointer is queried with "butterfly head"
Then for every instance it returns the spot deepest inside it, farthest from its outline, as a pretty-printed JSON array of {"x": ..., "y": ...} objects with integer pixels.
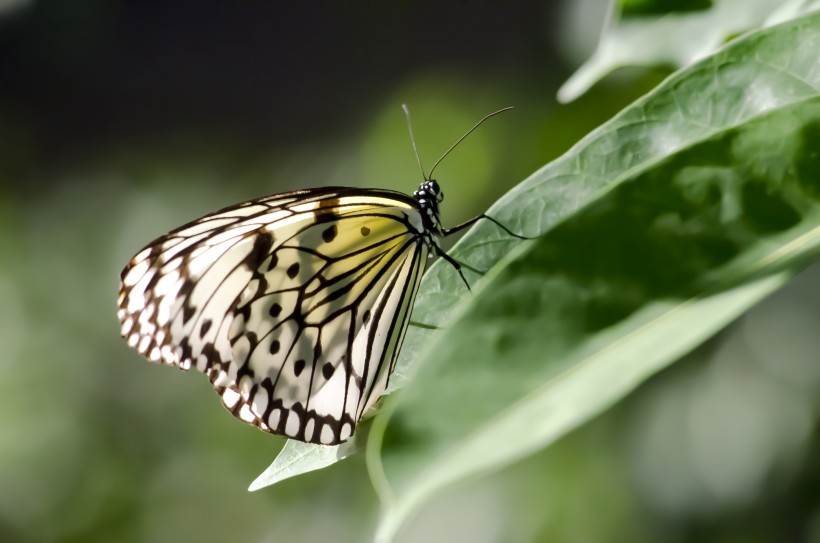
[
  {"x": 429, "y": 195},
  {"x": 429, "y": 191}
]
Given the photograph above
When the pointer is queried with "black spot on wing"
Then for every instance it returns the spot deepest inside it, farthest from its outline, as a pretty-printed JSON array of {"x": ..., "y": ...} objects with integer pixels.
[
  {"x": 293, "y": 270},
  {"x": 214, "y": 360},
  {"x": 325, "y": 213},
  {"x": 330, "y": 233},
  {"x": 149, "y": 288},
  {"x": 327, "y": 370},
  {"x": 187, "y": 313},
  {"x": 185, "y": 349},
  {"x": 275, "y": 310},
  {"x": 298, "y": 367},
  {"x": 186, "y": 288},
  {"x": 262, "y": 245},
  {"x": 245, "y": 370},
  {"x": 274, "y": 260},
  {"x": 244, "y": 312}
]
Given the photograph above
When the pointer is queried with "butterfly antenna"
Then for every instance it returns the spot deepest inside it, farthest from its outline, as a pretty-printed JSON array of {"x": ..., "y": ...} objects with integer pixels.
[
  {"x": 470, "y": 131},
  {"x": 413, "y": 140}
]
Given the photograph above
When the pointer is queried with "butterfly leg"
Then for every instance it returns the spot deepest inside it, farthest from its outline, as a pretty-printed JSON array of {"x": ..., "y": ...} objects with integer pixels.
[
  {"x": 448, "y": 231},
  {"x": 423, "y": 325},
  {"x": 450, "y": 260},
  {"x": 462, "y": 226},
  {"x": 466, "y": 266}
]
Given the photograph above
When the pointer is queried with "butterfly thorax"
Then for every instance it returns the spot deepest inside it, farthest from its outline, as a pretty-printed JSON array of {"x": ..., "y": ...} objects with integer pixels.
[{"x": 429, "y": 195}]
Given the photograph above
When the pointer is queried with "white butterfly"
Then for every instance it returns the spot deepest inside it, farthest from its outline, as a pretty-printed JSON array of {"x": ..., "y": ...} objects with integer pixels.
[{"x": 295, "y": 305}]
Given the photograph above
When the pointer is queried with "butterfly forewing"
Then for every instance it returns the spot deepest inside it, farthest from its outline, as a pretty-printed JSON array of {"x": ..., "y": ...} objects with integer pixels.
[{"x": 294, "y": 305}]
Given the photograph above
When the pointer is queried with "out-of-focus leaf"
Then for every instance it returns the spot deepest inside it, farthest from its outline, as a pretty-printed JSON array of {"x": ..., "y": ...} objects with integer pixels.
[
  {"x": 666, "y": 256},
  {"x": 674, "y": 38},
  {"x": 657, "y": 7},
  {"x": 791, "y": 9}
]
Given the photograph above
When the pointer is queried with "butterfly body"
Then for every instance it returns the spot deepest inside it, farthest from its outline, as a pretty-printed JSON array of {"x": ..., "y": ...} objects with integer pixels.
[{"x": 295, "y": 305}]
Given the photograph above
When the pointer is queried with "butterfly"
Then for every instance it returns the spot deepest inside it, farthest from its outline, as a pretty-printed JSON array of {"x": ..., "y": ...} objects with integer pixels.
[{"x": 294, "y": 305}]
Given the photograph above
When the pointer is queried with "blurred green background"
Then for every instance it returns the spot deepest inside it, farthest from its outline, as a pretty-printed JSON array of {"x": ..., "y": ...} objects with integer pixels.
[{"x": 121, "y": 120}]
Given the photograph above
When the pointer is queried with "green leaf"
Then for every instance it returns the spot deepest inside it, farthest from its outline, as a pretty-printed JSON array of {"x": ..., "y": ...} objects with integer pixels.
[
  {"x": 674, "y": 38},
  {"x": 689, "y": 207},
  {"x": 764, "y": 70},
  {"x": 297, "y": 458}
]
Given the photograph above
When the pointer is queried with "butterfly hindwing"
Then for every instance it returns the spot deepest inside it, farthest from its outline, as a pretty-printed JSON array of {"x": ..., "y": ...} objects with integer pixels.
[{"x": 294, "y": 306}]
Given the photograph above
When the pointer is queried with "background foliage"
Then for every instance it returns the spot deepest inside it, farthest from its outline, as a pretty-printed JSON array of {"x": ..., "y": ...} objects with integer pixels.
[{"x": 121, "y": 120}]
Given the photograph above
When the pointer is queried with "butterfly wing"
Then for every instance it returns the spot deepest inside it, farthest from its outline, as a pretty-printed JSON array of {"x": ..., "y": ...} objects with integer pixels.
[{"x": 294, "y": 305}]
